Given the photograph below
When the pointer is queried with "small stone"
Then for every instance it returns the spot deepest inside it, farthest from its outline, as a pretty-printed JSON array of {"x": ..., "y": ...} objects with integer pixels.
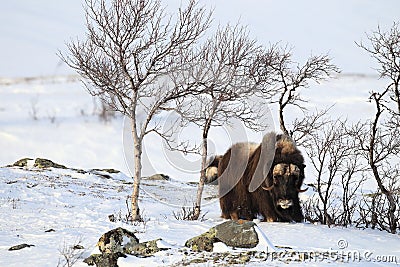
[
  {"x": 21, "y": 246},
  {"x": 78, "y": 247},
  {"x": 111, "y": 217}
]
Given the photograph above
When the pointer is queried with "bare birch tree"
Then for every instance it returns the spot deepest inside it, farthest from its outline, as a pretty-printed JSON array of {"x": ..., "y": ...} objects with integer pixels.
[
  {"x": 289, "y": 77},
  {"x": 224, "y": 72},
  {"x": 379, "y": 138},
  {"x": 130, "y": 47}
]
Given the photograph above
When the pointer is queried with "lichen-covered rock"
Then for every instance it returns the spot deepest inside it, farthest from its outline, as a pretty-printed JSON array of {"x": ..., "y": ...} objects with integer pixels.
[
  {"x": 115, "y": 240},
  {"x": 158, "y": 177},
  {"x": 231, "y": 233},
  {"x": 104, "y": 259},
  {"x": 203, "y": 242},
  {"x": 238, "y": 235},
  {"x": 145, "y": 249},
  {"x": 46, "y": 163},
  {"x": 21, "y": 163},
  {"x": 107, "y": 170}
]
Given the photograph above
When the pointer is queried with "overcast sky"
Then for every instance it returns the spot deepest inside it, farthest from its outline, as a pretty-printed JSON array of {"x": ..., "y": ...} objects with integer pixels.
[{"x": 32, "y": 31}]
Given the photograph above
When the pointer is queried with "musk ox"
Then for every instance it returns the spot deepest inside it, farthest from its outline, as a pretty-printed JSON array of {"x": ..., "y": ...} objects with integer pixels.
[{"x": 262, "y": 179}]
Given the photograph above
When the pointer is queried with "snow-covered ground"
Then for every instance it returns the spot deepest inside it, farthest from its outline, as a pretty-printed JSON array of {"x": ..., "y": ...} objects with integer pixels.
[
  {"x": 76, "y": 205},
  {"x": 57, "y": 209}
]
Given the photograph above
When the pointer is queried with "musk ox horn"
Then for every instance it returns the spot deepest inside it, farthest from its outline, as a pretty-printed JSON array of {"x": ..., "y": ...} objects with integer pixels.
[
  {"x": 269, "y": 188},
  {"x": 302, "y": 190}
]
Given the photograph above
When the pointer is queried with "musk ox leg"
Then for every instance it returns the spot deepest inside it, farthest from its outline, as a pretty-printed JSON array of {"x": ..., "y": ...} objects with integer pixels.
[
  {"x": 233, "y": 209},
  {"x": 269, "y": 219},
  {"x": 234, "y": 216},
  {"x": 268, "y": 213},
  {"x": 226, "y": 207}
]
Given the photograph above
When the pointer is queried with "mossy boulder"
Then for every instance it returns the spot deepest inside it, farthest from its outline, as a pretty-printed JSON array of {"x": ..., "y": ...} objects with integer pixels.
[
  {"x": 158, "y": 177},
  {"x": 107, "y": 170},
  {"x": 117, "y": 243},
  {"x": 231, "y": 233},
  {"x": 21, "y": 163},
  {"x": 104, "y": 259},
  {"x": 145, "y": 249},
  {"x": 116, "y": 240},
  {"x": 203, "y": 242},
  {"x": 39, "y": 163},
  {"x": 239, "y": 235},
  {"x": 46, "y": 163}
]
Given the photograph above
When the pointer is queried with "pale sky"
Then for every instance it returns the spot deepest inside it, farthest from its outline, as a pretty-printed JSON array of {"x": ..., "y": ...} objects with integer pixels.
[{"x": 32, "y": 31}]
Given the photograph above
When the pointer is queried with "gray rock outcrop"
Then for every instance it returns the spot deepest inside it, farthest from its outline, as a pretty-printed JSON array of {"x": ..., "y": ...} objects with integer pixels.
[{"x": 231, "y": 233}]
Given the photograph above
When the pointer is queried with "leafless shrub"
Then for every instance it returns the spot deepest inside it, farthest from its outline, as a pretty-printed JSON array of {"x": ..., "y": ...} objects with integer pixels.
[
  {"x": 34, "y": 110},
  {"x": 126, "y": 217},
  {"x": 337, "y": 166},
  {"x": 51, "y": 115},
  {"x": 103, "y": 110},
  {"x": 15, "y": 202},
  {"x": 188, "y": 214},
  {"x": 70, "y": 254}
]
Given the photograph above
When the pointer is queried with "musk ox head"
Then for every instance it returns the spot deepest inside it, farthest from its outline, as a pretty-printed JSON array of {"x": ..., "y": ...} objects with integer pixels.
[{"x": 285, "y": 185}]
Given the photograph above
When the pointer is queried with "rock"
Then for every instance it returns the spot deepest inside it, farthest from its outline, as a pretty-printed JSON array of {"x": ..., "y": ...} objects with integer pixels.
[
  {"x": 105, "y": 173},
  {"x": 21, "y": 163},
  {"x": 112, "y": 245},
  {"x": 46, "y": 163},
  {"x": 21, "y": 246},
  {"x": 107, "y": 170},
  {"x": 158, "y": 177},
  {"x": 238, "y": 235},
  {"x": 145, "y": 249},
  {"x": 118, "y": 242},
  {"x": 78, "y": 247},
  {"x": 231, "y": 233},
  {"x": 104, "y": 259},
  {"x": 203, "y": 242},
  {"x": 115, "y": 240}
]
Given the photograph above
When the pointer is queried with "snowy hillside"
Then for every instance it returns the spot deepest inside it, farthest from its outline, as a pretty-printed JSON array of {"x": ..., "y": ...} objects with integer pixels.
[
  {"x": 58, "y": 209},
  {"x": 59, "y": 120}
]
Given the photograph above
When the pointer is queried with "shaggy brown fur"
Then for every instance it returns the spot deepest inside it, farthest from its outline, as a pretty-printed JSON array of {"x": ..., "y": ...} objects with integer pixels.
[{"x": 244, "y": 162}]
